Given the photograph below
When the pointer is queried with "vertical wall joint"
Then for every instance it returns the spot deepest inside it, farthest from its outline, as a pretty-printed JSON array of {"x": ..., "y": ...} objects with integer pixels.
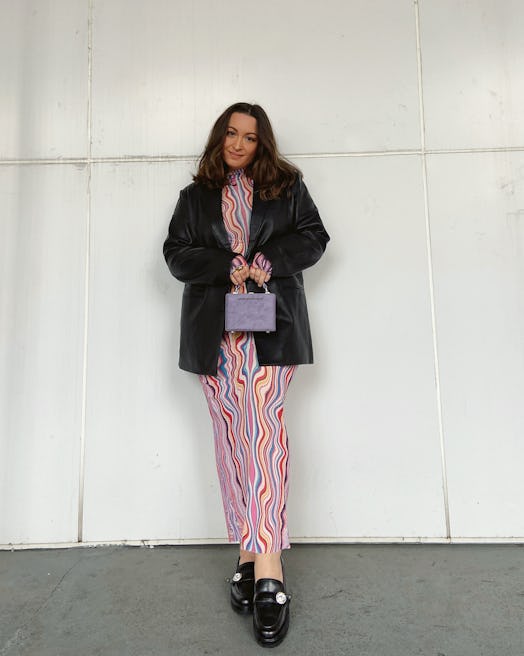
[{"x": 429, "y": 252}]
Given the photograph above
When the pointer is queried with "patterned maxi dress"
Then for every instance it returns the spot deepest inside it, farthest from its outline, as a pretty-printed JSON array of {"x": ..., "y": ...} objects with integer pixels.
[{"x": 246, "y": 403}]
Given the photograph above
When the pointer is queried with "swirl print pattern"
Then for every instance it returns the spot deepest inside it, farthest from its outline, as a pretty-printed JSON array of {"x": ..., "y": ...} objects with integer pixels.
[
  {"x": 237, "y": 201},
  {"x": 246, "y": 403}
]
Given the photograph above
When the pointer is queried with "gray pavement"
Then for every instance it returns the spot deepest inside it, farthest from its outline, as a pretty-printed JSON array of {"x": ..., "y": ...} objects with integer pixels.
[{"x": 362, "y": 600}]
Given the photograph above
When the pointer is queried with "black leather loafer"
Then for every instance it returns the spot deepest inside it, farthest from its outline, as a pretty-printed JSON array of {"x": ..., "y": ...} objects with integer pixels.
[
  {"x": 243, "y": 588},
  {"x": 270, "y": 612}
]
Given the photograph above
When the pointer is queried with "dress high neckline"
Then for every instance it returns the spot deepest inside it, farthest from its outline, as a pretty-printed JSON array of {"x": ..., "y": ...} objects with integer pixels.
[{"x": 234, "y": 176}]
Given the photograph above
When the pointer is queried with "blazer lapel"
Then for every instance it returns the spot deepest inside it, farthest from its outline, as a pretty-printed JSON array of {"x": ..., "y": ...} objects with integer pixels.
[
  {"x": 257, "y": 219},
  {"x": 212, "y": 208}
]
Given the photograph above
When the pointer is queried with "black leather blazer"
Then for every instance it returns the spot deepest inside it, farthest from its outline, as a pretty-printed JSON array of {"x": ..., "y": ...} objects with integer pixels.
[{"x": 288, "y": 231}]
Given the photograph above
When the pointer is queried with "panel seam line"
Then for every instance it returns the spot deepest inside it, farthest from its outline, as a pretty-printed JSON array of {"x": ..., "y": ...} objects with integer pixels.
[
  {"x": 429, "y": 253},
  {"x": 116, "y": 159},
  {"x": 87, "y": 261}
]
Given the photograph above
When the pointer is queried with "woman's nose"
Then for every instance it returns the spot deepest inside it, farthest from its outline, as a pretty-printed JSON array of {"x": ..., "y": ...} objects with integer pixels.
[{"x": 238, "y": 142}]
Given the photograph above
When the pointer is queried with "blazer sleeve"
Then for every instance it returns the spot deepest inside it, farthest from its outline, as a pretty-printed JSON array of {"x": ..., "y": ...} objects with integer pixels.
[
  {"x": 304, "y": 245},
  {"x": 189, "y": 260}
]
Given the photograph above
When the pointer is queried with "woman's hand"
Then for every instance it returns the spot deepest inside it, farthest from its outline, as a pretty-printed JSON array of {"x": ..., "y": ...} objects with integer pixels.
[
  {"x": 260, "y": 269},
  {"x": 259, "y": 275},
  {"x": 239, "y": 270},
  {"x": 240, "y": 275}
]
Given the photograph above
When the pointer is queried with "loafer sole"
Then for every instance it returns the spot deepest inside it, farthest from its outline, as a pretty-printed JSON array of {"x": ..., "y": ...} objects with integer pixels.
[{"x": 274, "y": 641}]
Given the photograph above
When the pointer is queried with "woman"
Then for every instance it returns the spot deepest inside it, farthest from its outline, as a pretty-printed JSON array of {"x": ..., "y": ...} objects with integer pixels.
[{"x": 247, "y": 219}]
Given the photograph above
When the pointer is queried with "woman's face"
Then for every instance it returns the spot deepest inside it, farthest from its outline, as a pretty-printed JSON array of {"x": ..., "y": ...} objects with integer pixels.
[{"x": 241, "y": 141}]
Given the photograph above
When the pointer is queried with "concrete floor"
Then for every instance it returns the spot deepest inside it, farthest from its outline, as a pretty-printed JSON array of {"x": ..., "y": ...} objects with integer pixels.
[{"x": 363, "y": 600}]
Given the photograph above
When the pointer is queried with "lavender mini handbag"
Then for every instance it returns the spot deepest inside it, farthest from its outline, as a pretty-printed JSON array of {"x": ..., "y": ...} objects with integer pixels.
[{"x": 252, "y": 312}]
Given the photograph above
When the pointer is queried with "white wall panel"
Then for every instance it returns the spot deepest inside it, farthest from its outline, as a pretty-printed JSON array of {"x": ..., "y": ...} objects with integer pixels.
[
  {"x": 334, "y": 76},
  {"x": 42, "y": 246},
  {"x": 477, "y": 222},
  {"x": 473, "y": 73},
  {"x": 363, "y": 420},
  {"x": 43, "y": 50},
  {"x": 149, "y": 457}
]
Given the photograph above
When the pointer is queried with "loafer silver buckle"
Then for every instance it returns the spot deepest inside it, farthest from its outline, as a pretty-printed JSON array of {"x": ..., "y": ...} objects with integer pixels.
[{"x": 281, "y": 598}]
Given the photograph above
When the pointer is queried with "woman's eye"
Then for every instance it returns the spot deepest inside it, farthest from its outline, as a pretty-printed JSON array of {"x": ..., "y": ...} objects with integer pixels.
[
  {"x": 253, "y": 139},
  {"x": 230, "y": 133}
]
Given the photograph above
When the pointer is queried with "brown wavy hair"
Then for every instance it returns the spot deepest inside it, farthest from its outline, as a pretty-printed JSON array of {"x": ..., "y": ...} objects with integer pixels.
[{"x": 272, "y": 174}]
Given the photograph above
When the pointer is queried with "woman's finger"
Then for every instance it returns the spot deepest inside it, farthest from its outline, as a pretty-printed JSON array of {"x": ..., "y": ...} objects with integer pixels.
[
  {"x": 258, "y": 275},
  {"x": 239, "y": 275}
]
